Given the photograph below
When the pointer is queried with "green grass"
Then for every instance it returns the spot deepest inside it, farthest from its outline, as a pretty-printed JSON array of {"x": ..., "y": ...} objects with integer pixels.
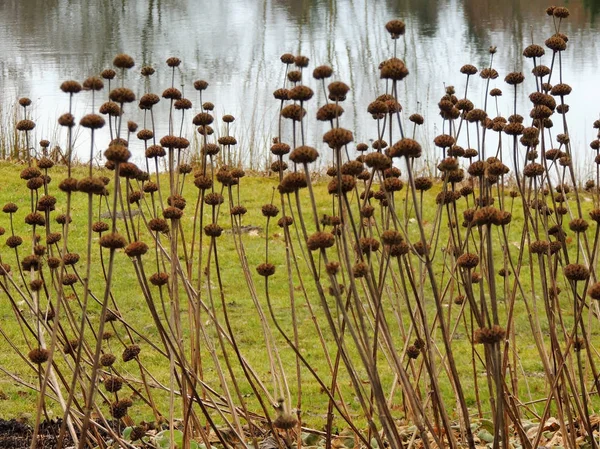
[{"x": 17, "y": 400}]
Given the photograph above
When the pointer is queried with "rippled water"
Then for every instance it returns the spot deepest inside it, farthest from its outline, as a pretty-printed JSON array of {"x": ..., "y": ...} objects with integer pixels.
[{"x": 235, "y": 45}]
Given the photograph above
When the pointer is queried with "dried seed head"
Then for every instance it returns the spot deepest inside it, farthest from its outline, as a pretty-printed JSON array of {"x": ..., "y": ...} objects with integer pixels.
[
  {"x": 578, "y": 225},
  {"x": 488, "y": 73},
  {"x": 468, "y": 261},
  {"x": 304, "y": 155},
  {"x": 338, "y": 137},
  {"x": 200, "y": 85},
  {"x": 393, "y": 69},
  {"x": 489, "y": 336},
  {"x": 285, "y": 221},
  {"x": 213, "y": 230},
  {"x": 576, "y": 272},
  {"x": 294, "y": 76},
  {"x": 213, "y": 199},
  {"x": 533, "y": 51},
  {"x": 468, "y": 69},
  {"x": 131, "y": 352},
  {"x": 117, "y": 153},
  {"x": 159, "y": 279},
  {"x": 270, "y": 210},
  {"x": 66, "y": 120},
  {"x": 39, "y": 355},
  {"x": 368, "y": 245},
  {"x": 122, "y": 95},
  {"x": 320, "y": 240},
  {"x": 560, "y": 12},
  {"x": 396, "y": 28},
  {"x": 322, "y": 72},
  {"x": 31, "y": 262},
  {"x": 377, "y": 161},
  {"x": 113, "y": 241},
  {"x": 338, "y": 91},
  {"x": 70, "y": 87},
  {"x": 360, "y": 270},
  {"x": 266, "y": 269},
  {"x": 136, "y": 249},
  {"x": 417, "y": 119},
  {"x": 514, "y": 78},
  {"x": 407, "y": 147}
]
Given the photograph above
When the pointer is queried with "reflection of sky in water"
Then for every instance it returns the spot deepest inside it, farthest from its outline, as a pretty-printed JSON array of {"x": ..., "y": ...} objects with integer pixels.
[{"x": 235, "y": 45}]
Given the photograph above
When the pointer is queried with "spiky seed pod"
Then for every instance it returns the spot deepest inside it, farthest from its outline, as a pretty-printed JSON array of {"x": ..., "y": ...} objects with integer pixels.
[
  {"x": 200, "y": 85},
  {"x": 423, "y": 183},
  {"x": 468, "y": 69},
  {"x": 444, "y": 141},
  {"x": 117, "y": 153},
  {"x": 285, "y": 221},
  {"x": 348, "y": 184},
  {"x": 122, "y": 95},
  {"x": 332, "y": 268},
  {"x": 213, "y": 199},
  {"x": 379, "y": 144},
  {"x": 147, "y": 101},
  {"x": 69, "y": 279},
  {"x": 391, "y": 237},
  {"x": 360, "y": 270},
  {"x": 539, "y": 247},
  {"x": 338, "y": 91},
  {"x": 448, "y": 164},
  {"x": 63, "y": 219},
  {"x": 368, "y": 245},
  {"x": 293, "y": 112},
  {"x": 578, "y": 225},
  {"x": 172, "y": 213},
  {"x": 36, "y": 285},
  {"x": 576, "y": 272},
  {"x": 378, "y": 161},
  {"x": 301, "y": 61},
  {"x": 304, "y": 155},
  {"x": 100, "y": 227},
  {"x": 560, "y": 12},
  {"x": 265, "y": 269},
  {"x": 594, "y": 291},
  {"x": 147, "y": 71},
  {"x": 25, "y": 125},
  {"x": 412, "y": 352},
  {"x": 407, "y": 147},
  {"x": 269, "y": 210},
  {"x": 495, "y": 92},
  {"x": 392, "y": 185},
  {"x": 476, "y": 115},
  {"x": 396, "y": 28},
  {"x": 112, "y": 384},
  {"x": 118, "y": 410},
  {"x": 301, "y": 93},
  {"x": 10, "y": 208},
  {"x": 131, "y": 352},
  {"x": 556, "y": 43},
  {"x": 71, "y": 258},
  {"x": 292, "y": 182},
  {"x": 227, "y": 140},
  {"x": 238, "y": 210},
  {"x": 322, "y": 72},
  {"x": 67, "y": 120},
  {"x": 465, "y": 105},
  {"x": 25, "y": 102},
  {"x": 328, "y": 112},
  {"x": 514, "y": 78},
  {"x": 468, "y": 261},
  {"x": 111, "y": 109},
  {"x": 35, "y": 183},
  {"x": 203, "y": 182},
  {"x": 320, "y": 240},
  {"x": 281, "y": 94},
  {"x": 294, "y": 76},
  {"x": 202, "y": 119},
  {"x": 393, "y": 69},
  {"x": 39, "y": 355},
  {"x": 123, "y": 61},
  {"x": 417, "y": 119},
  {"x": 107, "y": 359},
  {"x": 533, "y": 51},
  {"x": 533, "y": 169},
  {"x": 352, "y": 168},
  {"x": 31, "y": 262},
  {"x": 560, "y": 90},
  {"x": 159, "y": 279},
  {"x": 45, "y": 163},
  {"x": 158, "y": 225},
  {"x": 489, "y": 336},
  {"x": 392, "y": 172},
  {"x": 136, "y": 249},
  {"x": 420, "y": 249},
  {"x": 70, "y": 87},
  {"x": 113, "y": 241},
  {"x": 213, "y": 230},
  {"x": 92, "y": 121},
  {"x": 488, "y": 73}
]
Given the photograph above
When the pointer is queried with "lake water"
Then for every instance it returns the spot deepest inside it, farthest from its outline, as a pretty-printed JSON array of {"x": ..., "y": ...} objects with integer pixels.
[{"x": 235, "y": 45}]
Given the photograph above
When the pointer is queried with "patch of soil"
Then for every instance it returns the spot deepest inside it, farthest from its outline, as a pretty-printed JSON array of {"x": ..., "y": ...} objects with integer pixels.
[{"x": 16, "y": 435}]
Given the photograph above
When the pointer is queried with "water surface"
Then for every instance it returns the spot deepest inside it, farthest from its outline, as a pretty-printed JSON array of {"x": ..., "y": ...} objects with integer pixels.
[{"x": 235, "y": 45}]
